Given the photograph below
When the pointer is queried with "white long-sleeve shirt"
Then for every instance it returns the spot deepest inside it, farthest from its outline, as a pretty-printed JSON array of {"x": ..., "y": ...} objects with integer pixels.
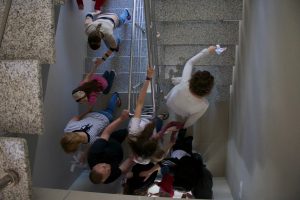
[{"x": 180, "y": 99}]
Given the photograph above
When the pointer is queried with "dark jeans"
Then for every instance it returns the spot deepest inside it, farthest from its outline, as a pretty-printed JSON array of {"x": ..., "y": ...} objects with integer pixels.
[
  {"x": 183, "y": 143},
  {"x": 111, "y": 107},
  {"x": 109, "y": 76}
]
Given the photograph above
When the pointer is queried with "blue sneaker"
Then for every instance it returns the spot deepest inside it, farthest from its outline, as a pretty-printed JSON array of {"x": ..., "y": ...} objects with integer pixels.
[{"x": 128, "y": 14}]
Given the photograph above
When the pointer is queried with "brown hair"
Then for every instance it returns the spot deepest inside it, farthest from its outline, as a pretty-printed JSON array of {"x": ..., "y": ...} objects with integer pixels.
[
  {"x": 89, "y": 87},
  {"x": 70, "y": 142},
  {"x": 95, "y": 177},
  {"x": 158, "y": 155},
  {"x": 94, "y": 39},
  {"x": 144, "y": 146},
  {"x": 201, "y": 83}
]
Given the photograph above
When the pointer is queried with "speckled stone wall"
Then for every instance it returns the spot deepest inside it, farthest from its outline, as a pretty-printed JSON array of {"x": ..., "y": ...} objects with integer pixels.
[
  {"x": 21, "y": 97},
  {"x": 29, "y": 32},
  {"x": 14, "y": 155}
]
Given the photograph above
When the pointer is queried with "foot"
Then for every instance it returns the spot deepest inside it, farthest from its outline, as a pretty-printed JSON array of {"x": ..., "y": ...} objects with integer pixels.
[
  {"x": 128, "y": 14},
  {"x": 119, "y": 102}
]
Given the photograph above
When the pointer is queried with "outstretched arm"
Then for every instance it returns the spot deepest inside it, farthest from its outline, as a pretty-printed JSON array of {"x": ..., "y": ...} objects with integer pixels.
[
  {"x": 148, "y": 173},
  {"x": 114, "y": 125},
  {"x": 188, "y": 67},
  {"x": 97, "y": 63},
  {"x": 80, "y": 116},
  {"x": 126, "y": 165},
  {"x": 142, "y": 94}
]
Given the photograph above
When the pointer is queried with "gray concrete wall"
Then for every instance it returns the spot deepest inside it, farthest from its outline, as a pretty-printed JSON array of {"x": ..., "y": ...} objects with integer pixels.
[
  {"x": 51, "y": 165},
  {"x": 263, "y": 147}
]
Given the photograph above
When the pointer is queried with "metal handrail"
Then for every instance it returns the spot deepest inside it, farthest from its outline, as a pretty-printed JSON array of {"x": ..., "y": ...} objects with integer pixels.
[
  {"x": 136, "y": 45},
  {"x": 4, "y": 18},
  {"x": 149, "y": 7}
]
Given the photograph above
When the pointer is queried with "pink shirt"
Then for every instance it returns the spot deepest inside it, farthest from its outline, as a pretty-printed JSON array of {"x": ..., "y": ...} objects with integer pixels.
[{"x": 92, "y": 97}]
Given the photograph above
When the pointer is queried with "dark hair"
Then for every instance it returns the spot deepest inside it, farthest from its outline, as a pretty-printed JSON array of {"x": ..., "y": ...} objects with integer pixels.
[
  {"x": 88, "y": 87},
  {"x": 95, "y": 177},
  {"x": 144, "y": 146},
  {"x": 94, "y": 39},
  {"x": 201, "y": 83},
  {"x": 187, "y": 173}
]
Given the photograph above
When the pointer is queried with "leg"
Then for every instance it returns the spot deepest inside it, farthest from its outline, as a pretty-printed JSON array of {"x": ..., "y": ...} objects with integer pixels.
[
  {"x": 80, "y": 4},
  {"x": 99, "y": 4},
  {"x": 125, "y": 15},
  {"x": 183, "y": 143},
  {"x": 158, "y": 123},
  {"x": 120, "y": 135},
  {"x": 109, "y": 76}
]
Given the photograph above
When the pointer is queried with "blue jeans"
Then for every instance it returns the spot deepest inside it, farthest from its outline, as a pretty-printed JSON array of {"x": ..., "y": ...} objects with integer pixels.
[{"x": 111, "y": 107}]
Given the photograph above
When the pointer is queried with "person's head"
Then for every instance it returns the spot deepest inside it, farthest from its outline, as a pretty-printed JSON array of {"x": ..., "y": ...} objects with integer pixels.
[
  {"x": 187, "y": 173},
  {"x": 70, "y": 142},
  {"x": 80, "y": 94},
  {"x": 158, "y": 155},
  {"x": 201, "y": 83},
  {"x": 100, "y": 173},
  {"x": 144, "y": 146},
  {"x": 94, "y": 39}
]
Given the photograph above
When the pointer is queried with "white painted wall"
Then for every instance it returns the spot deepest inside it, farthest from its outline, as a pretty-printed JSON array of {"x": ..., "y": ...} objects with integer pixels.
[
  {"x": 51, "y": 164},
  {"x": 264, "y": 142}
]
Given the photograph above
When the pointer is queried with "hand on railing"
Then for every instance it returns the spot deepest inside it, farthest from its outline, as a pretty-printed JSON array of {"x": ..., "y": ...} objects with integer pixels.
[{"x": 150, "y": 72}]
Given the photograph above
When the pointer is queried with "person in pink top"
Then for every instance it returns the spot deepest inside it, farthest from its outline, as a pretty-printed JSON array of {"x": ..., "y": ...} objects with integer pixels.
[
  {"x": 92, "y": 85},
  {"x": 97, "y": 7}
]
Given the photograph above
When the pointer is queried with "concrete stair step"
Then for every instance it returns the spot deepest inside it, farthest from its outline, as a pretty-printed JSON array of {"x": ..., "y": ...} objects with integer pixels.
[
  {"x": 59, "y": 2},
  {"x": 119, "y": 63},
  {"x": 124, "y": 49},
  {"x": 178, "y": 10},
  {"x": 179, "y": 54},
  {"x": 202, "y": 32},
  {"x": 29, "y": 32},
  {"x": 21, "y": 97},
  {"x": 14, "y": 155}
]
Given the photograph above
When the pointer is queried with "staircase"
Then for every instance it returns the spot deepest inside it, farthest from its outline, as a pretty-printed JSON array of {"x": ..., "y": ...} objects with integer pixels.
[
  {"x": 26, "y": 46},
  {"x": 183, "y": 29},
  {"x": 120, "y": 61}
]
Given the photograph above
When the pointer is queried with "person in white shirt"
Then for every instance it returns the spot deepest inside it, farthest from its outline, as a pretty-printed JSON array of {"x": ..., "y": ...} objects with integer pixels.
[{"x": 187, "y": 98}]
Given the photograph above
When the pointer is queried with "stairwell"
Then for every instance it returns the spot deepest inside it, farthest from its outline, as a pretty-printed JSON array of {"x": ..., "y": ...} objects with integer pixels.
[
  {"x": 27, "y": 46},
  {"x": 184, "y": 28}
]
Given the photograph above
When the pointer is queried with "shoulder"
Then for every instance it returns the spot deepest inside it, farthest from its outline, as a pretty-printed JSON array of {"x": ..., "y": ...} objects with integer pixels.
[{"x": 99, "y": 146}]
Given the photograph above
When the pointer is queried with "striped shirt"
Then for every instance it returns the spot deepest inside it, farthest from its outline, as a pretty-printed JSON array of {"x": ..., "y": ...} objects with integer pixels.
[{"x": 92, "y": 124}]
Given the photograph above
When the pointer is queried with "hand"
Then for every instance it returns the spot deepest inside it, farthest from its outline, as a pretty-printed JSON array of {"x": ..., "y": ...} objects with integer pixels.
[
  {"x": 124, "y": 115},
  {"x": 97, "y": 12},
  {"x": 98, "y": 61},
  {"x": 145, "y": 174},
  {"x": 212, "y": 49},
  {"x": 150, "y": 72},
  {"x": 82, "y": 158},
  {"x": 176, "y": 80}
]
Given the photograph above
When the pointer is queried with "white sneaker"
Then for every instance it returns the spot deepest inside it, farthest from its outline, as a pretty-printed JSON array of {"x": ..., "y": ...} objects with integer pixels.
[{"x": 220, "y": 50}]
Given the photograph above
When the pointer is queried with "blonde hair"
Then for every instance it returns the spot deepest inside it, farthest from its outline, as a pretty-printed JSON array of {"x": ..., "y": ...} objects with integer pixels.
[{"x": 70, "y": 142}]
